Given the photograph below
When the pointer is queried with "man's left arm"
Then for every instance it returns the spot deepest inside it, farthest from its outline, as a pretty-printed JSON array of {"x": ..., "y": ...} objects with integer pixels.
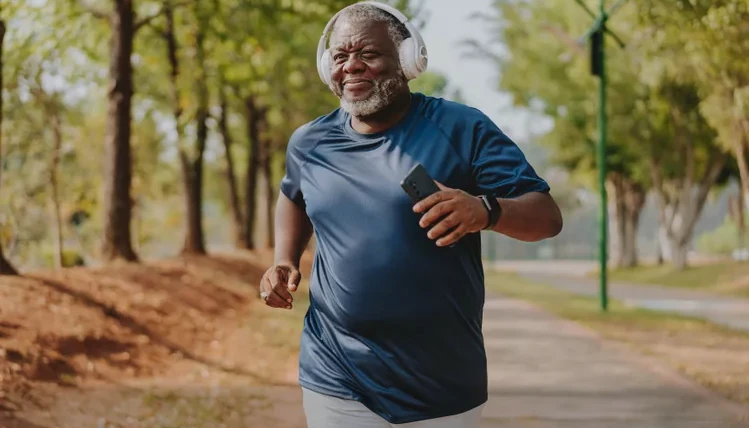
[
  {"x": 453, "y": 213},
  {"x": 500, "y": 170},
  {"x": 531, "y": 217}
]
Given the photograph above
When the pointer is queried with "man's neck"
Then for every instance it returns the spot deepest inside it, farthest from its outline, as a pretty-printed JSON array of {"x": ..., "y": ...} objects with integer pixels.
[{"x": 383, "y": 119}]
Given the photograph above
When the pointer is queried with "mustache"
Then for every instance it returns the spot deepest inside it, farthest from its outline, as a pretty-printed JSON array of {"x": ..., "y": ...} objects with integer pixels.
[{"x": 356, "y": 80}]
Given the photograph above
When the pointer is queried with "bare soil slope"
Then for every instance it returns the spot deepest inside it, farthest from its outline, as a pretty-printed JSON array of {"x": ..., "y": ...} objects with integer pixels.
[{"x": 77, "y": 344}]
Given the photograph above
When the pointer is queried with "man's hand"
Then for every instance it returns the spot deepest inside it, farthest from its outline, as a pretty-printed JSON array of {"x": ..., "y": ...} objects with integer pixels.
[
  {"x": 454, "y": 214},
  {"x": 276, "y": 284}
]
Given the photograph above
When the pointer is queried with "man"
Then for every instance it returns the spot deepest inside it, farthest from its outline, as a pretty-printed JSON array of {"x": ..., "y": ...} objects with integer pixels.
[{"x": 393, "y": 332}]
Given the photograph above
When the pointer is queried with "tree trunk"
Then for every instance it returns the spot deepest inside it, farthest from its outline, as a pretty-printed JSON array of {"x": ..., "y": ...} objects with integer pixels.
[
  {"x": 5, "y": 267},
  {"x": 619, "y": 220},
  {"x": 271, "y": 216},
  {"x": 57, "y": 131},
  {"x": 634, "y": 201},
  {"x": 664, "y": 246},
  {"x": 739, "y": 149},
  {"x": 736, "y": 213},
  {"x": 658, "y": 249},
  {"x": 194, "y": 237},
  {"x": 193, "y": 168},
  {"x": 741, "y": 221},
  {"x": 268, "y": 205},
  {"x": 231, "y": 176},
  {"x": 254, "y": 119},
  {"x": 678, "y": 213},
  {"x": 264, "y": 198},
  {"x": 118, "y": 174},
  {"x": 740, "y": 146},
  {"x": 679, "y": 251}
]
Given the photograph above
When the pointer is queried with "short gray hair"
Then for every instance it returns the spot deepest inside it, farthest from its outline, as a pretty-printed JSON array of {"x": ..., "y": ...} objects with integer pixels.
[{"x": 366, "y": 13}]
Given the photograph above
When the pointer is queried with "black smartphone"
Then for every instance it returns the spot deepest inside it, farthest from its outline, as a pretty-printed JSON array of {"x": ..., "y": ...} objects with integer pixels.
[{"x": 418, "y": 184}]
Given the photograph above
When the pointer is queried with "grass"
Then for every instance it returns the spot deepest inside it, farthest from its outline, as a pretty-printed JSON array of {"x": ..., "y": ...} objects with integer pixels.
[
  {"x": 725, "y": 277},
  {"x": 228, "y": 401},
  {"x": 216, "y": 408},
  {"x": 714, "y": 356}
]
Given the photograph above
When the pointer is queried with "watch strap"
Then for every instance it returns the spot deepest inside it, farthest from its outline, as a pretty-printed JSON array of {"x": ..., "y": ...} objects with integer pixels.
[{"x": 494, "y": 209}]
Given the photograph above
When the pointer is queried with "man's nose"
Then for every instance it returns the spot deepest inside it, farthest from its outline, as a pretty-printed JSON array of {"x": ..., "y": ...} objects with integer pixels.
[{"x": 353, "y": 65}]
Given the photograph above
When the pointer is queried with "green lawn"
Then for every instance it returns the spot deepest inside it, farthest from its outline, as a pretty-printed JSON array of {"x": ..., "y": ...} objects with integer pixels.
[
  {"x": 582, "y": 308},
  {"x": 725, "y": 277},
  {"x": 712, "y": 355}
]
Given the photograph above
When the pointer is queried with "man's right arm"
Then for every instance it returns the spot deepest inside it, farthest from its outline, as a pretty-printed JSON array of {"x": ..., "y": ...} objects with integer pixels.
[
  {"x": 293, "y": 228},
  {"x": 293, "y": 231}
]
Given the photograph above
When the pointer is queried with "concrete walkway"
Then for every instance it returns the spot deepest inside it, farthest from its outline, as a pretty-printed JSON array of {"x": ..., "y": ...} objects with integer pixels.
[
  {"x": 547, "y": 372},
  {"x": 728, "y": 311}
]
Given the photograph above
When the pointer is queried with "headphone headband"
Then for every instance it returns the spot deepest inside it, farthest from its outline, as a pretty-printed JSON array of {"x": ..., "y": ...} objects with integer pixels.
[{"x": 413, "y": 57}]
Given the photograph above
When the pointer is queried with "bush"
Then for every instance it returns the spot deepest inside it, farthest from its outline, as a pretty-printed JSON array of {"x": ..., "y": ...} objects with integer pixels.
[
  {"x": 722, "y": 240},
  {"x": 70, "y": 258}
]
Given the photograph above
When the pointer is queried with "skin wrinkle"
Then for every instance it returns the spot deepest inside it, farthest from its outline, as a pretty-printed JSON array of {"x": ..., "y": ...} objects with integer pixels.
[{"x": 364, "y": 46}]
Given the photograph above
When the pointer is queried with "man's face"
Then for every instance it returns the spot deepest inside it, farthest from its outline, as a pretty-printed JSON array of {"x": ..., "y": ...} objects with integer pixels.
[{"x": 366, "y": 72}]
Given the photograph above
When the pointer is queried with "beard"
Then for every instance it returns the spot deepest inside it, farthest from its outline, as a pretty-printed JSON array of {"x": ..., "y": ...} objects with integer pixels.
[{"x": 384, "y": 92}]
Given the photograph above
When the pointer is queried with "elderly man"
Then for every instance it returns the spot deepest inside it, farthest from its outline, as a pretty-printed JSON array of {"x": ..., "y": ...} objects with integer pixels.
[{"x": 393, "y": 332}]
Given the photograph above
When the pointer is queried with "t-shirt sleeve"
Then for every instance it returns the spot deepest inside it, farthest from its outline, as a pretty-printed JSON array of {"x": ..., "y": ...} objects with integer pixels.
[
  {"x": 499, "y": 167},
  {"x": 291, "y": 181}
]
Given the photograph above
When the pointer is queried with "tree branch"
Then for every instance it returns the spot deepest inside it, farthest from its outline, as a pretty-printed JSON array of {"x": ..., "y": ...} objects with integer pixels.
[
  {"x": 147, "y": 20},
  {"x": 94, "y": 11},
  {"x": 564, "y": 37},
  {"x": 714, "y": 167},
  {"x": 655, "y": 171}
]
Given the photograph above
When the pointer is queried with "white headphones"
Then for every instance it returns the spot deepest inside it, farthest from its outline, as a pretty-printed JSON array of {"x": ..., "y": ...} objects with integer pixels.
[{"x": 412, "y": 51}]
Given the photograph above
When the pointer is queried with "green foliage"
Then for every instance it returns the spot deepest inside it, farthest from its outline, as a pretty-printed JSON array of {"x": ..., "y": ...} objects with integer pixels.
[
  {"x": 723, "y": 240},
  {"x": 676, "y": 93},
  {"x": 545, "y": 71},
  {"x": 702, "y": 43},
  {"x": 70, "y": 258},
  {"x": 430, "y": 83},
  {"x": 56, "y": 66}
]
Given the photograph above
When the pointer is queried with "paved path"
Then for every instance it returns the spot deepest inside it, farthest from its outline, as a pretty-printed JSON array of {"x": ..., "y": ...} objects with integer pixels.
[
  {"x": 546, "y": 372},
  {"x": 728, "y": 311}
]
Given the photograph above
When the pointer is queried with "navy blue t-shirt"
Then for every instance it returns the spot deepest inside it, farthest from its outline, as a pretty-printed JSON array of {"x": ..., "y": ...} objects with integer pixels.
[{"x": 394, "y": 321}]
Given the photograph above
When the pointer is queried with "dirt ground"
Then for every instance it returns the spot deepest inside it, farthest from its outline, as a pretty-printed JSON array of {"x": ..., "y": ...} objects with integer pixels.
[{"x": 183, "y": 342}]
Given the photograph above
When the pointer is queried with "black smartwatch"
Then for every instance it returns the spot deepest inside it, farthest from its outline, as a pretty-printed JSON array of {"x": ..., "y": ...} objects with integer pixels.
[{"x": 494, "y": 209}]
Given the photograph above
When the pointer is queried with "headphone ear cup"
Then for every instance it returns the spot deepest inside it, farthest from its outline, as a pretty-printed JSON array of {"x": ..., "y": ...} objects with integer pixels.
[
  {"x": 407, "y": 53},
  {"x": 325, "y": 67}
]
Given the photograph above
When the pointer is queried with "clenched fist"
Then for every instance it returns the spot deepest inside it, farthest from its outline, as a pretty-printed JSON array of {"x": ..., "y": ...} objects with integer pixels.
[{"x": 276, "y": 284}]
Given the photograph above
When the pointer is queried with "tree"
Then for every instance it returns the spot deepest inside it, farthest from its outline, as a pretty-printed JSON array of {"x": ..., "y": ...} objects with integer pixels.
[
  {"x": 51, "y": 107},
  {"x": 235, "y": 207},
  {"x": 546, "y": 72},
  {"x": 683, "y": 173},
  {"x": 268, "y": 67},
  {"x": 5, "y": 267},
  {"x": 191, "y": 161},
  {"x": 659, "y": 136},
  {"x": 117, "y": 239},
  {"x": 710, "y": 55}
]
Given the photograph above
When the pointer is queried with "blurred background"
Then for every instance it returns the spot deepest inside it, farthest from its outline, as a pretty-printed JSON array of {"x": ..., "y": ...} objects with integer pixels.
[
  {"x": 184, "y": 148},
  {"x": 154, "y": 132}
]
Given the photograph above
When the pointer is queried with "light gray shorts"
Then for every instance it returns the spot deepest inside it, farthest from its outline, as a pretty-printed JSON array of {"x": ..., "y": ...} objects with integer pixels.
[{"x": 324, "y": 411}]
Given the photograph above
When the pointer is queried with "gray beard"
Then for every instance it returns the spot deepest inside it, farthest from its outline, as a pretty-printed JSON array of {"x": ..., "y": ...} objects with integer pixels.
[{"x": 383, "y": 94}]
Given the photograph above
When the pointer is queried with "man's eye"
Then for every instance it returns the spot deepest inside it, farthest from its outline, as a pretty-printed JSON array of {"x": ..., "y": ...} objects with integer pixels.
[
  {"x": 339, "y": 57},
  {"x": 369, "y": 55}
]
